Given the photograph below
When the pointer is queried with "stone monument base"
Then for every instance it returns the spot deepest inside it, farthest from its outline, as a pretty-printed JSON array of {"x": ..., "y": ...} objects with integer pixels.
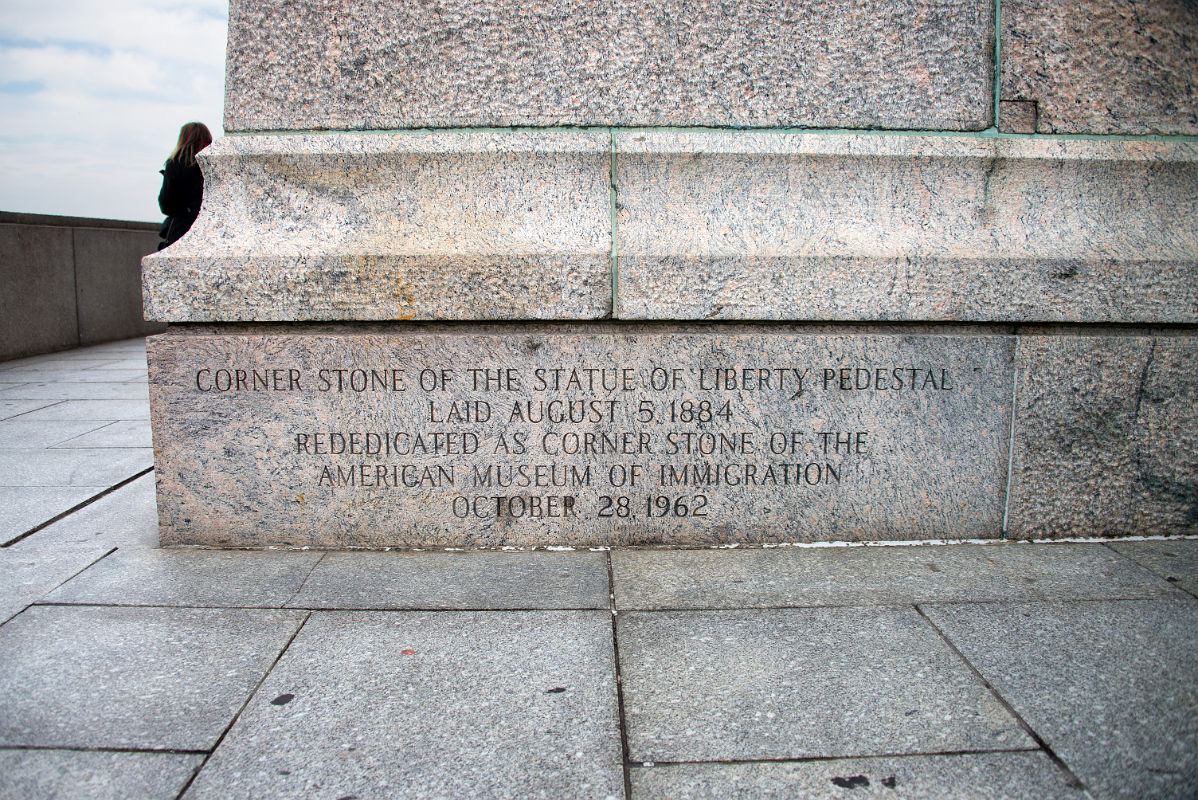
[{"x": 599, "y": 434}]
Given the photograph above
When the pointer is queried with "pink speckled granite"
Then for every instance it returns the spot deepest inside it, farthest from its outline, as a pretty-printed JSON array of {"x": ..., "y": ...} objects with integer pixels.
[
  {"x": 430, "y": 225},
  {"x": 1106, "y": 436},
  {"x": 775, "y": 226},
  {"x": 377, "y": 64},
  {"x": 1103, "y": 66},
  {"x": 916, "y": 437}
]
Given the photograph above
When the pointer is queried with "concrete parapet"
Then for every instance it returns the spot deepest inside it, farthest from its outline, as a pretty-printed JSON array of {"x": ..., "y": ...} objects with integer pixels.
[{"x": 70, "y": 281}]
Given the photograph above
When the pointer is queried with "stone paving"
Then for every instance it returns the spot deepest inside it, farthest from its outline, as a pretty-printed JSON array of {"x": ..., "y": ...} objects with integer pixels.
[{"x": 966, "y": 670}]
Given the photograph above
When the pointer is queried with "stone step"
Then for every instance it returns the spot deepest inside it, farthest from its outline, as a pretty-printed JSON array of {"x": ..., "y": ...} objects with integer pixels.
[{"x": 470, "y": 225}]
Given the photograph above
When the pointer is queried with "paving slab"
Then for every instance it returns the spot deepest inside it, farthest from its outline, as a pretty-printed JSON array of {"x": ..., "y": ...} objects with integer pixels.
[
  {"x": 752, "y": 578},
  {"x": 442, "y": 704},
  {"x": 79, "y": 467},
  {"x": 27, "y": 575},
  {"x": 126, "y": 517},
  {"x": 950, "y": 777},
  {"x": 92, "y": 409},
  {"x": 24, "y": 433},
  {"x": 437, "y": 580},
  {"x": 135, "y": 363},
  {"x": 1175, "y": 560},
  {"x": 14, "y": 408},
  {"x": 154, "y": 577},
  {"x": 800, "y": 683},
  {"x": 41, "y": 390},
  {"x": 144, "y": 678},
  {"x": 1108, "y": 685},
  {"x": 63, "y": 774},
  {"x": 29, "y": 374},
  {"x": 122, "y": 433},
  {"x": 26, "y": 507}
]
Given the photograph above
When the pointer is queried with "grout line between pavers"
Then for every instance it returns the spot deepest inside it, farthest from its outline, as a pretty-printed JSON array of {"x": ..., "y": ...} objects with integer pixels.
[
  {"x": 1004, "y": 533},
  {"x": 249, "y": 697},
  {"x": 50, "y": 404},
  {"x": 73, "y": 509},
  {"x": 619, "y": 676},
  {"x": 304, "y": 582},
  {"x": 59, "y": 585},
  {"x": 1036, "y": 737},
  {"x": 807, "y": 759},
  {"x": 82, "y": 749},
  {"x": 1145, "y": 568},
  {"x": 86, "y": 433}
]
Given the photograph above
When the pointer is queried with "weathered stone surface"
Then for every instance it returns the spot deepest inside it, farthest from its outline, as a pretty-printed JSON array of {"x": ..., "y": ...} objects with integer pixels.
[
  {"x": 708, "y": 436},
  {"x": 752, "y": 578},
  {"x": 1016, "y": 776},
  {"x": 1109, "y": 686},
  {"x": 1175, "y": 560},
  {"x": 62, "y": 774},
  {"x": 1106, "y": 436},
  {"x": 724, "y": 225},
  {"x": 797, "y": 683},
  {"x": 133, "y": 678},
  {"x": 361, "y": 64},
  {"x": 1103, "y": 66},
  {"x": 448, "y": 704},
  {"x": 418, "y": 225}
]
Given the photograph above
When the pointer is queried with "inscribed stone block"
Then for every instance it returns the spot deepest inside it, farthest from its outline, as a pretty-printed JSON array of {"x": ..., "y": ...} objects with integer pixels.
[{"x": 593, "y": 435}]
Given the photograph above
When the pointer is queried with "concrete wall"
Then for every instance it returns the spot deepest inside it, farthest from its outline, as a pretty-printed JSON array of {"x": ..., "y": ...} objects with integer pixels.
[{"x": 68, "y": 281}]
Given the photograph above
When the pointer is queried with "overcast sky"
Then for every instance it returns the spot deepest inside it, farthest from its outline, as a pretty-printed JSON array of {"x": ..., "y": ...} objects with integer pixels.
[{"x": 92, "y": 94}]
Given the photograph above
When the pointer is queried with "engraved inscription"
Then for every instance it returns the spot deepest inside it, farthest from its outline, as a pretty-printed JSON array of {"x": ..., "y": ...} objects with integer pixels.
[{"x": 604, "y": 439}]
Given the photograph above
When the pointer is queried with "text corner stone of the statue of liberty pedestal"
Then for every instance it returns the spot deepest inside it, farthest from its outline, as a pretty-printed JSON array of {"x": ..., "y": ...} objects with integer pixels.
[{"x": 594, "y": 438}]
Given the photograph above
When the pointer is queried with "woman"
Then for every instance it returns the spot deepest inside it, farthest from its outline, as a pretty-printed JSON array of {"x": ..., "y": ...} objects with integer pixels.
[{"x": 182, "y": 183}]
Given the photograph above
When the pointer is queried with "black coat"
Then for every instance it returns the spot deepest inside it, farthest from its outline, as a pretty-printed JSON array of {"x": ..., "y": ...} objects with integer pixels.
[{"x": 182, "y": 191}]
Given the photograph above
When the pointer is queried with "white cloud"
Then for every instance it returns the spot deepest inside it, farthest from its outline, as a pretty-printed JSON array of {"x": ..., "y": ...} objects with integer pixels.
[{"x": 92, "y": 96}]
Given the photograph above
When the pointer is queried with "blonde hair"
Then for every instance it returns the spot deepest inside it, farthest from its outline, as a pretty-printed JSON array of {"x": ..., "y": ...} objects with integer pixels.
[{"x": 193, "y": 137}]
